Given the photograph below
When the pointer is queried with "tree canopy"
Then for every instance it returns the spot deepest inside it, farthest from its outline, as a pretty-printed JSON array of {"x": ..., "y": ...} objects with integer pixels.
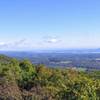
[{"x": 21, "y": 80}]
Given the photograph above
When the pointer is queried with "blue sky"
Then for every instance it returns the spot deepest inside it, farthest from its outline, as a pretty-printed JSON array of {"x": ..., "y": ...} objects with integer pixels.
[{"x": 49, "y": 24}]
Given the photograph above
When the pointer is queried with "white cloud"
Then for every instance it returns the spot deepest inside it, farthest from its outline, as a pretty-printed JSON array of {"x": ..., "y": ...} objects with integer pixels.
[
  {"x": 52, "y": 40},
  {"x": 3, "y": 44},
  {"x": 22, "y": 42},
  {"x": 14, "y": 44},
  {"x": 30, "y": 44}
]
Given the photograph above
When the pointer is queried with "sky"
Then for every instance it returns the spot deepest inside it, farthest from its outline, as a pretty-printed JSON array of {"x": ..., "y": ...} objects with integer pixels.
[{"x": 49, "y": 24}]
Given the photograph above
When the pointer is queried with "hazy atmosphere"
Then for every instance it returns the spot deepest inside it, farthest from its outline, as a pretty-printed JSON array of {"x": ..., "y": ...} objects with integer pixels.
[{"x": 49, "y": 24}]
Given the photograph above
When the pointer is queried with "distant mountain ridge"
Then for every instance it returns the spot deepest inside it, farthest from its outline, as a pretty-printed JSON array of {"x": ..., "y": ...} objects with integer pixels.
[{"x": 90, "y": 50}]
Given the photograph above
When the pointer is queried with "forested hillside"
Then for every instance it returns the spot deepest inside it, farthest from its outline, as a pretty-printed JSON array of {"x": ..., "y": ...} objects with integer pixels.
[{"x": 22, "y": 80}]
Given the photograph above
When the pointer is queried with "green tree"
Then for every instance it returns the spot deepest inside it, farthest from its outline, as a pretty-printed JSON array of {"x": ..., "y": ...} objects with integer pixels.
[{"x": 27, "y": 73}]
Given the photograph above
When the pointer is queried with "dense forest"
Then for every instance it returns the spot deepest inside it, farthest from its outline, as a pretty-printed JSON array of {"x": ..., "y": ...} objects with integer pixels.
[{"x": 22, "y": 80}]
